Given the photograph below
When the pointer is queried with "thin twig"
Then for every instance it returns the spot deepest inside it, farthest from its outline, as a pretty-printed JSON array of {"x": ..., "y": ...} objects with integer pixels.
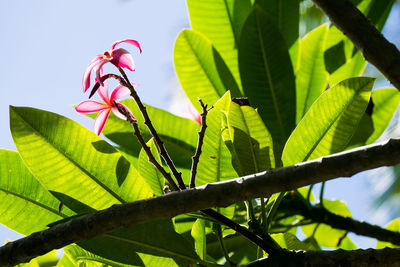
[
  {"x": 146, "y": 148},
  {"x": 266, "y": 242},
  {"x": 157, "y": 139},
  {"x": 196, "y": 157}
]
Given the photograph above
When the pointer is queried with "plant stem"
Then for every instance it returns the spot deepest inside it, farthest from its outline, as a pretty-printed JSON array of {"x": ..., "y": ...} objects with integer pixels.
[
  {"x": 196, "y": 157},
  {"x": 148, "y": 123},
  {"x": 146, "y": 148}
]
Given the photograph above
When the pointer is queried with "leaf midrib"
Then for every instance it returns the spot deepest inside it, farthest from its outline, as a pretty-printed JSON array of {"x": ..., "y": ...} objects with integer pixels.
[
  {"x": 113, "y": 194},
  {"x": 152, "y": 247},
  {"x": 332, "y": 123},
  {"x": 272, "y": 88},
  {"x": 310, "y": 80},
  {"x": 197, "y": 57},
  {"x": 43, "y": 206}
]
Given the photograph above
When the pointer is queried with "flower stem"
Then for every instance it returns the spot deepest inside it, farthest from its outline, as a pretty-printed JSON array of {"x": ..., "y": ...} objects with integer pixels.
[
  {"x": 146, "y": 148},
  {"x": 148, "y": 123}
]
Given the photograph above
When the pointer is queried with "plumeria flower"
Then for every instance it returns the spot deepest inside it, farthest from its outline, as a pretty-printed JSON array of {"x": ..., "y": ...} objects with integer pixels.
[
  {"x": 192, "y": 113},
  {"x": 105, "y": 108},
  {"x": 117, "y": 56}
]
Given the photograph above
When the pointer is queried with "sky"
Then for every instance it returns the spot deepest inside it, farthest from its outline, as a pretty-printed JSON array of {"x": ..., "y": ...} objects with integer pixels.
[{"x": 46, "y": 46}]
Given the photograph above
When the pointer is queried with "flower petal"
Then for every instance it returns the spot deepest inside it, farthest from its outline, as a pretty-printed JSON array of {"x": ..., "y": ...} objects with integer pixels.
[
  {"x": 99, "y": 71},
  {"x": 118, "y": 114},
  {"x": 103, "y": 93},
  {"x": 119, "y": 91},
  {"x": 90, "y": 106},
  {"x": 129, "y": 41},
  {"x": 122, "y": 58},
  {"x": 100, "y": 120},
  {"x": 86, "y": 75}
]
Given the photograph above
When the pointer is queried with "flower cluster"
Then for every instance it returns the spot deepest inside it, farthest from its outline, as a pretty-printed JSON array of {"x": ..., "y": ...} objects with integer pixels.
[{"x": 121, "y": 58}]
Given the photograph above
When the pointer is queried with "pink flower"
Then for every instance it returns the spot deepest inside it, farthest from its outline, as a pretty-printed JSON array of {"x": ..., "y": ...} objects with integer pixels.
[
  {"x": 105, "y": 108},
  {"x": 117, "y": 56},
  {"x": 192, "y": 114}
]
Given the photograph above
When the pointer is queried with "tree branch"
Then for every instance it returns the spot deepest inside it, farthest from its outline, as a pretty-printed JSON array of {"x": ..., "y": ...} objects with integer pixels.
[
  {"x": 322, "y": 215},
  {"x": 375, "y": 48},
  {"x": 340, "y": 257},
  {"x": 219, "y": 194}
]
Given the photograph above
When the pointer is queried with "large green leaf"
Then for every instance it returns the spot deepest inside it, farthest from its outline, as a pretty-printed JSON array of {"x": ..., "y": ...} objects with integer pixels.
[
  {"x": 267, "y": 75},
  {"x": 149, "y": 172},
  {"x": 73, "y": 162},
  {"x": 199, "y": 235},
  {"x": 353, "y": 67},
  {"x": 330, "y": 122},
  {"x": 201, "y": 70},
  {"x": 285, "y": 14},
  {"x": 221, "y": 21},
  {"x": 324, "y": 234},
  {"x": 178, "y": 134},
  {"x": 25, "y": 206},
  {"x": 384, "y": 104},
  {"x": 155, "y": 238},
  {"x": 74, "y": 256},
  {"x": 215, "y": 163},
  {"x": 311, "y": 76},
  {"x": 249, "y": 140}
]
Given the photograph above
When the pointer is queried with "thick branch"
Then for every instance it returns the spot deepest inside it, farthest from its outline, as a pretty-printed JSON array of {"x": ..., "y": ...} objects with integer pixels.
[
  {"x": 219, "y": 194},
  {"x": 322, "y": 215},
  {"x": 375, "y": 48},
  {"x": 356, "y": 258}
]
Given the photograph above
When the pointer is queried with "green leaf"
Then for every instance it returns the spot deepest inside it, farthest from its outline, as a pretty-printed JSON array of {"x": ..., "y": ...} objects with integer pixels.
[
  {"x": 393, "y": 226},
  {"x": 385, "y": 103},
  {"x": 249, "y": 140},
  {"x": 221, "y": 21},
  {"x": 25, "y": 206},
  {"x": 178, "y": 134},
  {"x": 311, "y": 76},
  {"x": 353, "y": 67},
  {"x": 285, "y": 14},
  {"x": 326, "y": 235},
  {"x": 201, "y": 70},
  {"x": 73, "y": 162},
  {"x": 330, "y": 122},
  {"x": 378, "y": 12},
  {"x": 290, "y": 241},
  {"x": 215, "y": 163},
  {"x": 47, "y": 260},
  {"x": 149, "y": 172},
  {"x": 267, "y": 75},
  {"x": 74, "y": 255},
  {"x": 155, "y": 238},
  {"x": 199, "y": 235}
]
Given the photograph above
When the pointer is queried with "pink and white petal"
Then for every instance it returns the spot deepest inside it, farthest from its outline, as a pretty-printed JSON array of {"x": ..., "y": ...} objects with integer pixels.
[
  {"x": 100, "y": 120},
  {"x": 119, "y": 91},
  {"x": 86, "y": 75},
  {"x": 97, "y": 57},
  {"x": 122, "y": 58},
  {"x": 90, "y": 106},
  {"x": 99, "y": 70},
  {"x": 118, "y": 114},
  {"x": 129, "y": 41},
  {"x": 103, "y": 93}
]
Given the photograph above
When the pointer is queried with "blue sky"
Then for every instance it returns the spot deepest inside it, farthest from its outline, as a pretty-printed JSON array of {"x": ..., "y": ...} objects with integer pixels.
[{"x": 46, "y": 46}]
